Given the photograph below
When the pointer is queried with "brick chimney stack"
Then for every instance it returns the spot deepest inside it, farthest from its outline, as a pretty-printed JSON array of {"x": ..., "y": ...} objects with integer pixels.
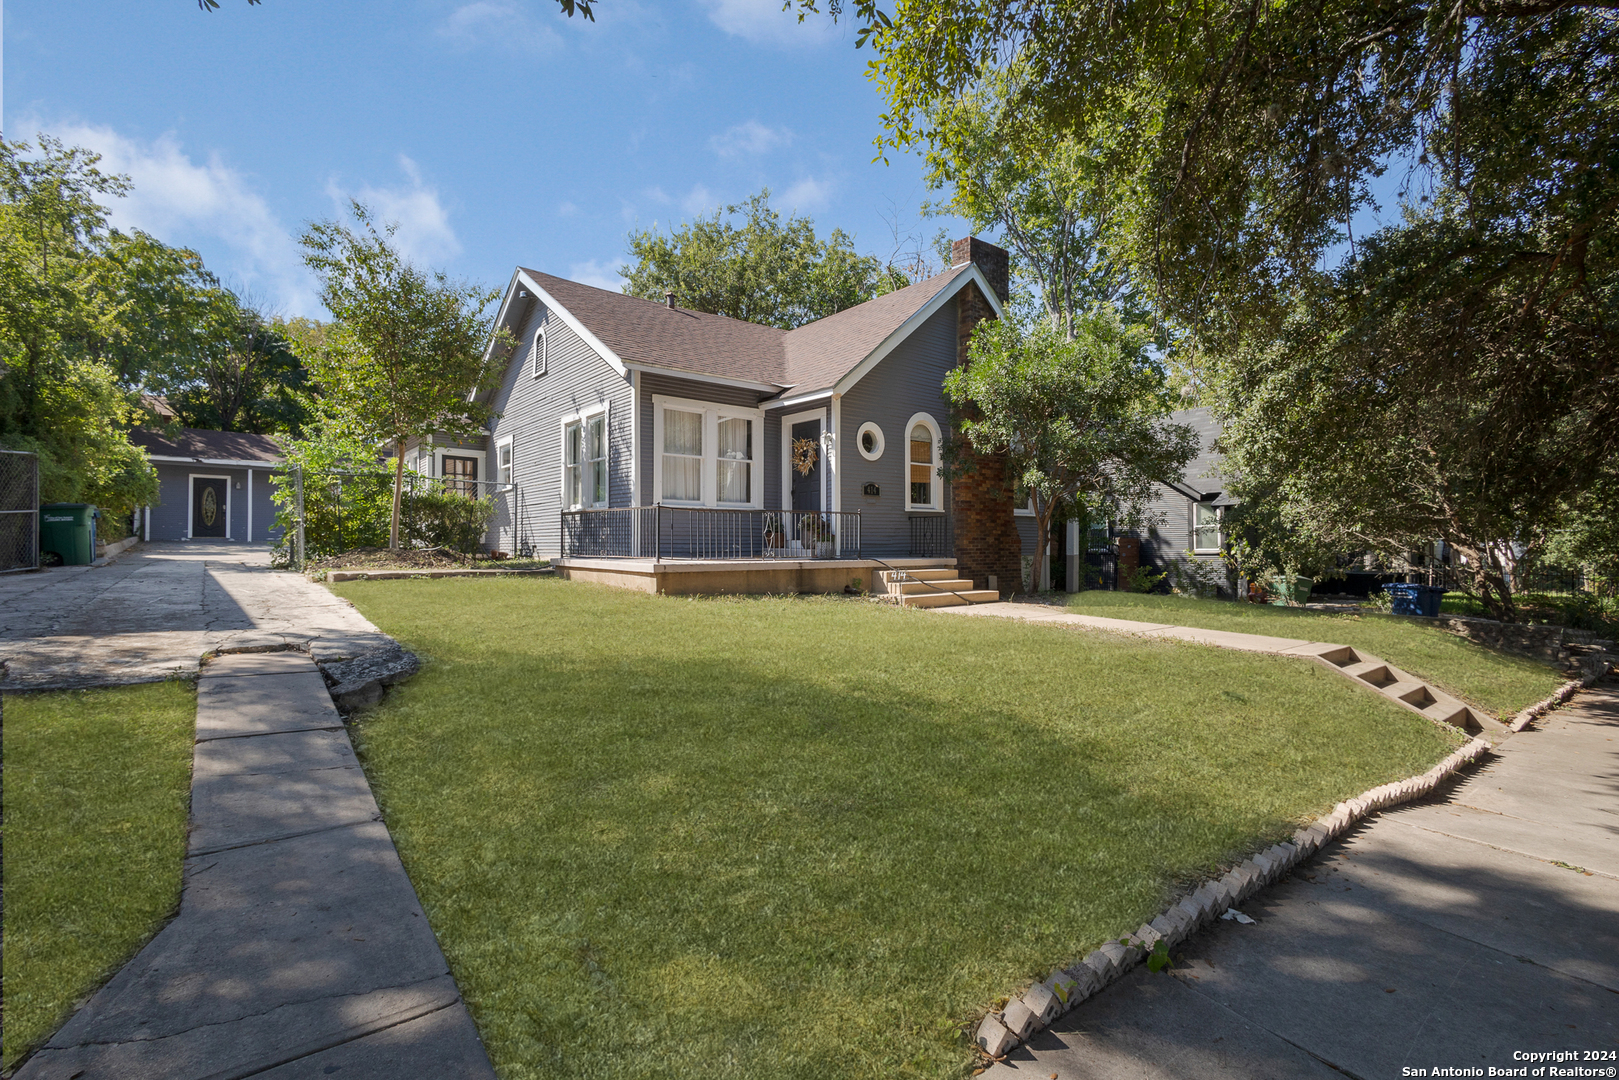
[
  {"x": 993, "y": 261},
  {"x": 985, "y": 536}
]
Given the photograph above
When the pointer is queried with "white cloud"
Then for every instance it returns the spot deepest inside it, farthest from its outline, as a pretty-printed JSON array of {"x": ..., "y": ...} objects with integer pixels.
[
  {"x": 601, "y": 273},
  {"x": 424, "y": 234},
  {"x": 505, "y": 25},
  {"x": 210, "y": 207},
  {"x": 567, "y": 209},
  {"x": 750, "y": 138},
  {"x": 699, "y": 200},
  {"x": 763, "y": 22},
  {"x": 657, "y": 195},
  {"x": 808, "y": 194}
]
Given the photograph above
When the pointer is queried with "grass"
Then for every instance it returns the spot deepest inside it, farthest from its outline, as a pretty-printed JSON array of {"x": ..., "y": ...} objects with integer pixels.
[
  {"x": 97, "y": 786},
  {"x": 792, "y": 837},
  {"x": 1493, "y": 681}
]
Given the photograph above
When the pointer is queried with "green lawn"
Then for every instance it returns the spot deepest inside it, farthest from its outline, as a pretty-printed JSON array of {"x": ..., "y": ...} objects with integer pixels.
[
  {"x": 672, "y": 837},
  {"x": 1498, "y": 683},
  {"x": 97, "y": 785}
]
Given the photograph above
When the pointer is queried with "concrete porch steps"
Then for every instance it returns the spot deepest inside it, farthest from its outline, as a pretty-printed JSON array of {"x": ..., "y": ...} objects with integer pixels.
[{"x": 931, "y": 587}]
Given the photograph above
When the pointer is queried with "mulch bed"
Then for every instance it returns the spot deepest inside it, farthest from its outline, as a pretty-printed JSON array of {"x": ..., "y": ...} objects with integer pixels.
[{"x": 417, "y": 559}]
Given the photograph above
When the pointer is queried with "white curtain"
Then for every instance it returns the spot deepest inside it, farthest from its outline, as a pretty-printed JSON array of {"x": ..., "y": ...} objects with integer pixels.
[
  {"x": 682, "y": 455},
  {"x": 735, "y": 464}
]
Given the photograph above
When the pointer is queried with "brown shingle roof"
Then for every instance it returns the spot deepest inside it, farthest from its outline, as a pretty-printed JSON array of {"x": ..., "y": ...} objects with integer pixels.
[
  {"x": 197, "y": 443},
  {"x": 643, "y": 332},
  {"x": 822, "y": 352},
  {"x": 812, "y": 357}
]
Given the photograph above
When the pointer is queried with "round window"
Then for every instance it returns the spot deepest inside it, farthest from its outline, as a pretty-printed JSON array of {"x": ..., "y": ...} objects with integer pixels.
[{"x": 870, "y": 441}]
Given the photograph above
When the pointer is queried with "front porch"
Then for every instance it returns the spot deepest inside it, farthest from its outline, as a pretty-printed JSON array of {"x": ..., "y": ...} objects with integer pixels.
[{"x": 691, "y": 577}]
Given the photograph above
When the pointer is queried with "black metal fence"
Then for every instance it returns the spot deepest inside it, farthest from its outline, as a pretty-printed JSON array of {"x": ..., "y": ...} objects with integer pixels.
[
  {"x": 19, "y": 511},
  {"x": 930, "y": 537},
  {"x": 1536, "y": 579},
  {"x": 684, "y": 532}
]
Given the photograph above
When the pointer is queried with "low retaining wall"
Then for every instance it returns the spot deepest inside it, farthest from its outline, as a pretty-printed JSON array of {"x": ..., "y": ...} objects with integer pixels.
[
  {"x": 1538, "y": 641},
  {"x": 759, "y": 576}
]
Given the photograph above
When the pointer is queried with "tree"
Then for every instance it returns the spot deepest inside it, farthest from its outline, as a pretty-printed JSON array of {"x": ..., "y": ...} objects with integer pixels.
[
  {"x": 57, "y": 397},
  {"x": 405, "y": 355},
  {"x": 1054, "y": 209},
  {"x": 1243, "y": 138},
  {"x": 763, "y": 270},
  {"x": 240, "y": 375},
  {"x": 1080, "y": 415}
]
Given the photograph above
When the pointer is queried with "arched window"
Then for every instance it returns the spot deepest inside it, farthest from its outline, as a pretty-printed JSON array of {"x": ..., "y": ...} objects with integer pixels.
[
  {"x": 923, "y": 488},
  {"x": 539, "y": 353}
]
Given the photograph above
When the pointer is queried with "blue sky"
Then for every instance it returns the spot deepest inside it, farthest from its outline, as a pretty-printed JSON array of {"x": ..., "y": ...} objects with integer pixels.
[{"x": 496, "y": 132}]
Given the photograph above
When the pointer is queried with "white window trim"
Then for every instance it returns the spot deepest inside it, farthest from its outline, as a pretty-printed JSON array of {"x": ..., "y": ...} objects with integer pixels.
[
  {"x": 191, "y": 502},
  {"x": 1219, "y": 529},
  {"x": 860, "y": 441},
  {"x": 712, "y": 413},
  {"x": 540, "y": 351},
  {"x": 581, "y": 417},
  {"x": 787, "y": 423},
  {"x": 452, "y": 451},
  {"x": 505, "y": 443},
  {"x": 936, "y": 487}
]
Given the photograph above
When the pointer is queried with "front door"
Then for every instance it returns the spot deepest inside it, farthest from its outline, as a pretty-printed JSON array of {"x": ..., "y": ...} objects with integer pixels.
[
  {"x": 209, "y": 501},
  {"x": 461, "y": 475},
  {"x": 806, "y": 486}
]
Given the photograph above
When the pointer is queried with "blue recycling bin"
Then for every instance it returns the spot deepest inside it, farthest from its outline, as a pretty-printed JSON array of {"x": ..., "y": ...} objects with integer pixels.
[{"x": 1409, "y": 599}]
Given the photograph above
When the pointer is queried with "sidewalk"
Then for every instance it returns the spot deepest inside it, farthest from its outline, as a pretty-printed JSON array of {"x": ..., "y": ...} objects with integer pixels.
[
  {"x": 1452, "y": 932},
  {"x": 300, "y": 948}
]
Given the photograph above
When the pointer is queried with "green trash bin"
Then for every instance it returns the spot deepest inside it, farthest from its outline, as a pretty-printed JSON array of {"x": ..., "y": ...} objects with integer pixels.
[
  {"x": 1294, "y": 590},
  {"x": 67, "y": 534}
]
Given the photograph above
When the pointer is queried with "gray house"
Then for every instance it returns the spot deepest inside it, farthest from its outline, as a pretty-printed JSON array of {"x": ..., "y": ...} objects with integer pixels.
[
  {"x": 1189, "y": 513},
  {"x": 634, "y": 440},
  {"x": 212, "y": 485}
]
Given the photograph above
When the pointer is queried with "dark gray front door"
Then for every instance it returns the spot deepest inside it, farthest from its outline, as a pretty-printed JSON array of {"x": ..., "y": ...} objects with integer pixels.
[
  {"x": 209, "y": 500},
  {"x": 807, "y": 489}
]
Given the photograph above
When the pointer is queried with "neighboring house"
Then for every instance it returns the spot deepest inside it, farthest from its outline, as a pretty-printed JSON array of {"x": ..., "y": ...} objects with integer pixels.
[
  {"x": 212, "y": 485},
  {"x": 1189, "y": 514},
  {"x": 613, "y": 403}
]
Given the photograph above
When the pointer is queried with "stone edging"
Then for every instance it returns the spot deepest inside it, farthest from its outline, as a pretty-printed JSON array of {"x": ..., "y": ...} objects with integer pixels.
[
  {"x": 1560, "y": 695},
  {"x": 1001, "y": 1032},
  {"x": 400, "y": 575}
]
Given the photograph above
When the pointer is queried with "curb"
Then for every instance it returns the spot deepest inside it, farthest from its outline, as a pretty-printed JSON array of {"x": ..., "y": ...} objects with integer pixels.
[
  {"x": 1001, "y": 1032},
  {"x": 1559, "y": 696}
]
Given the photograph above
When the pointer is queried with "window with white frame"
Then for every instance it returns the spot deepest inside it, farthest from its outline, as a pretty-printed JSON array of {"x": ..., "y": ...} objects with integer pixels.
[
  {"x": 733, "y": 481},
  {"x": 539, "y": 355},
  {"x": 682, "y": 455},
  {"x": 584, "y": 462},
  {"x": 923, "y": 489},
  {"x": 708, "y": 454},
  {"x": 503, "y": 462},
  {"x": 1205, "y": 529}
]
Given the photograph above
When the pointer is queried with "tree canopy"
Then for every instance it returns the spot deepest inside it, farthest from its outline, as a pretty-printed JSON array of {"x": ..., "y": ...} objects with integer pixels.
[
  {"x": 405, "y": 354},
  {"x": 761, "y": 269},
  {"x": 1081, "y": 415}
]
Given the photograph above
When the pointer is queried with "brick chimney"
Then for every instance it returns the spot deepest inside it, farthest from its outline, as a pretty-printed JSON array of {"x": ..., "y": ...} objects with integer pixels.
[
  {"x": 984, "y": 532},
  {"x": 993, "y": 261}
]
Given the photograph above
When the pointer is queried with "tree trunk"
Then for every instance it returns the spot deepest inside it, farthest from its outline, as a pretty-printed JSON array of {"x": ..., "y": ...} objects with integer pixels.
[
  {"x": 399, "y": 487},
  {"x": 1042, "y": 548}
]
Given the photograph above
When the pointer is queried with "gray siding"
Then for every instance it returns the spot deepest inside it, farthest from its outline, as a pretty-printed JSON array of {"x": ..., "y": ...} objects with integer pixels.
[
  {"x": 530, "y": 410},
  {"x": 1167, "y": 538},
  {"x": 170, "y": 514},
  {"x": 697, "y": 391},
  {"x": 907, "y": 381}
]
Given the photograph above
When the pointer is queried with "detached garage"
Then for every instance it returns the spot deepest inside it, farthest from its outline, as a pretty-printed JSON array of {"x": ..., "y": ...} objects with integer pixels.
[{"x": 212, "y": 485}]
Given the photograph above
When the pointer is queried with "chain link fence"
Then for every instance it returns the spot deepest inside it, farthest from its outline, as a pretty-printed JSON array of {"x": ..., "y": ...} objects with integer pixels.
[{"x": 19, "y": 511}]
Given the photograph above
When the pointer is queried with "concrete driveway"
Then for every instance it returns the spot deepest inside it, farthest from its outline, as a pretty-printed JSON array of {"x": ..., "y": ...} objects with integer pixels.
[{"x": 153, "y": 613}]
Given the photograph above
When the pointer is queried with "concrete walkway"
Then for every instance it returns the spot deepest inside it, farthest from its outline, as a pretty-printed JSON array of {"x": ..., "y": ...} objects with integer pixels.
[
  {"x": 1454, "y": 932},
  {"x": 300, "y": 948},
  {"x": 157, "y": 609}
]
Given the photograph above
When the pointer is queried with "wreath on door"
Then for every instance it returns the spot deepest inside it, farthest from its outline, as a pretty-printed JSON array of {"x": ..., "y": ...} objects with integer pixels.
[{"x": 806, "y": 452}]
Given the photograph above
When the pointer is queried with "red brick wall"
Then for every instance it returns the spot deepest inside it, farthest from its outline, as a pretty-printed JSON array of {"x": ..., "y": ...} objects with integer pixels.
[{"x": 986, "y": 537}]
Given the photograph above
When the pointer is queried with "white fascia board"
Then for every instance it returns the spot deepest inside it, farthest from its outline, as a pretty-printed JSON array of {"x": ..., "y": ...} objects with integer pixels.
[
  {"x": 922, "y": 315},
  {"x": 800, "y": 399},
  {"x": 574, "y": 324},
  {"x": 695, "y": 376},
  {"x": 236, "y": 463}
]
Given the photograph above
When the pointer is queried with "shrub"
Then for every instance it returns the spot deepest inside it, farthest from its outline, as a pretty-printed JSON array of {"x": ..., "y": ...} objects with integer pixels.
[{"x": 443, "y": 519}]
